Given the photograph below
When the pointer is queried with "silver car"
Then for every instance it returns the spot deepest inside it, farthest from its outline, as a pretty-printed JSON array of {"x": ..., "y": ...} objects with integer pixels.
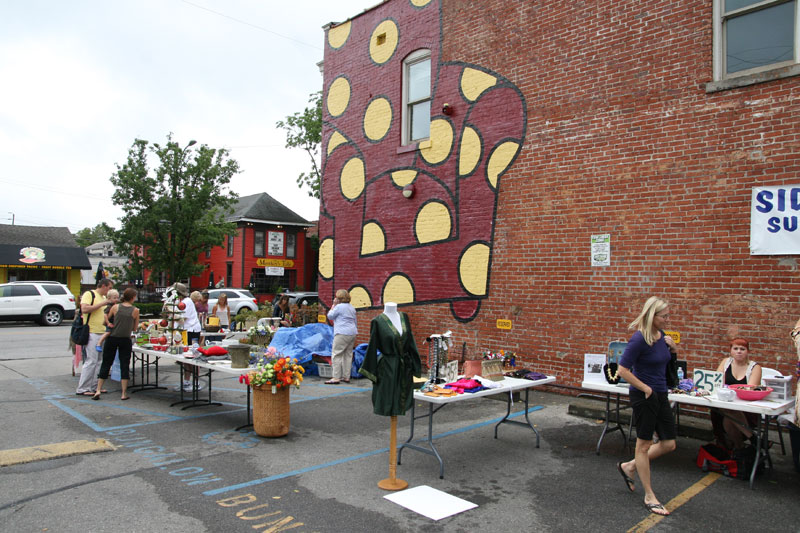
[{"x": 238, "y": 299}]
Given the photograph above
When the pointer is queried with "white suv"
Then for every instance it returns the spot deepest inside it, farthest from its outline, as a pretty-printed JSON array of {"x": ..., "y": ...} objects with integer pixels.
[
  {"x": 238, "y": 299},
  {"x": 46, "y": 302}
]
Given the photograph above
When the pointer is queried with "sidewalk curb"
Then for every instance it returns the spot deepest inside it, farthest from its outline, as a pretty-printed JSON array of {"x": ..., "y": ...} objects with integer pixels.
[{"x": 53, "y": 451}]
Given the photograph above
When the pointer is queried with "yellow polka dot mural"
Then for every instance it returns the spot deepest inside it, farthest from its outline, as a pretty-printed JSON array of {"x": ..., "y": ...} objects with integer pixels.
[
  {"x": 352, "y": 178},
  {"x": 414, "y": 221},
  {"x": 433, "y": 223},
  {"x": 473, "y": 269},
  {"x": 326, "y": 258},
  {"x": 337, "y": 139},
  {"x": 441, "y": 142},
  {"x": 401, "y": 178},
  {"x": 373, "y": 239},
  {"x": 377, "y": 119},
  {"x": 359, "y": 298},
  {"x": 383, "y": 41},
  {"x": 338, "y": 36},
  {"x": 398, "y": 289},
  {"x": 499, "y": 161},
  {"x": 470, "y": 151},
  {"x": 474, "y": 82},
  {"x": 338, "y": 96}
]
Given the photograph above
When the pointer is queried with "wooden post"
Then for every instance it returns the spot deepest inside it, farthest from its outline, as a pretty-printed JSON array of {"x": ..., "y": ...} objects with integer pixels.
[{"x": 392, "y": 483}]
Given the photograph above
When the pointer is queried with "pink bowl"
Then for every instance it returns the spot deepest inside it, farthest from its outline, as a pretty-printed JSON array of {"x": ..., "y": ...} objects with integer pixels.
[{"x": 750, "y": 395}]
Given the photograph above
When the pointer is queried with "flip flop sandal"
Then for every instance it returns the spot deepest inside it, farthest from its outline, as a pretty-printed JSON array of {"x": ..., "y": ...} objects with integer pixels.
[
  {"x": 628, "y": 480},
  {"x": 653, "y": 507},
  {"x": 331, "y": 382}
]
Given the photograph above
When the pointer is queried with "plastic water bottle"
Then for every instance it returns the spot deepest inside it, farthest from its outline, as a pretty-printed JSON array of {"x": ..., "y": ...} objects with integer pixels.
[{"x": 680, "y": 373}]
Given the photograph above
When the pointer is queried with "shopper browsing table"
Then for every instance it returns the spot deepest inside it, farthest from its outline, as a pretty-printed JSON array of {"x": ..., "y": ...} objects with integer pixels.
[
  {"x": 644, "y": 366},
  {"x": 345, "y": 330},
  {"x": 125, "y": 318}
]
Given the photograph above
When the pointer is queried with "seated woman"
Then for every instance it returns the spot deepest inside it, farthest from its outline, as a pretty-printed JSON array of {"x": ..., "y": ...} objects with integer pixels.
[{"x": 731, "y": 428}]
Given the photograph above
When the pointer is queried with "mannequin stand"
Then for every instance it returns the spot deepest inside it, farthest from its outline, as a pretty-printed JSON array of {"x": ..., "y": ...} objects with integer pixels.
[{"x": 392, "y": 483}]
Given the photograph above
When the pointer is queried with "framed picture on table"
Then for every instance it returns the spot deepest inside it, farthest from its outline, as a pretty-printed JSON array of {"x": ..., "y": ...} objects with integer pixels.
[{"x": 593, "y": 367}]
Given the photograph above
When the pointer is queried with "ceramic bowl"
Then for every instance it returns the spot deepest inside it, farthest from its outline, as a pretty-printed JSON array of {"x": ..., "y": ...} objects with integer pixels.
[
  {"x": 750, "y": 395},
  {"x": 726, "y": 395}
]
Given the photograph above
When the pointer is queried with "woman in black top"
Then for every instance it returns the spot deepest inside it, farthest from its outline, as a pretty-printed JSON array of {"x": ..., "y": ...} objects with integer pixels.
[
  {"x": 124, "y": 318},
  {"x": 731, "y": 428},
  {"x": 281, "y": 309}
]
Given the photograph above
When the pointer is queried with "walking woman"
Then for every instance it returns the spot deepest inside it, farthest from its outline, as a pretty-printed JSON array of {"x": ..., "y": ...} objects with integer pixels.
[
  {"x": 125, "y": 318},
  {"x": 644, "y": 366}
]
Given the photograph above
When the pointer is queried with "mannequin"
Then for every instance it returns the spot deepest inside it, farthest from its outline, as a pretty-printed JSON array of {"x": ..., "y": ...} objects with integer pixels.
[{"x": 390, "y": 310}]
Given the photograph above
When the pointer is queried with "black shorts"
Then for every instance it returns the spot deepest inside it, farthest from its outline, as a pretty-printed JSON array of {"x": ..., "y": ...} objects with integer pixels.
[{"x": 653, "y": 415}]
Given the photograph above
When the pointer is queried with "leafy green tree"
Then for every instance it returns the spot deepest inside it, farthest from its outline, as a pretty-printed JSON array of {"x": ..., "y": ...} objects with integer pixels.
[
  {"x": 87, "y": 236},
  {"x": 304, "y": 130},
  {"x": 176, "y": 210}
]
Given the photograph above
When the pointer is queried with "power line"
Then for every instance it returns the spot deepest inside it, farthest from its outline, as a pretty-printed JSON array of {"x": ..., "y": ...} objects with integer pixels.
[{"x": 261, "y": 28}]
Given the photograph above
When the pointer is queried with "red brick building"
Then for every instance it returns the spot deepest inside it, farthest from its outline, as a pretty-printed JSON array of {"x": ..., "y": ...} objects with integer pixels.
[
  {"x": 270, "y": 249},
  {"x": 472, "y": 150}
]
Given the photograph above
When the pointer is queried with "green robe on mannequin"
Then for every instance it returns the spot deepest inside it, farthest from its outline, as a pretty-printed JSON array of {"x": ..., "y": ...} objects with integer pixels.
[{"x": 392, "y": 373}]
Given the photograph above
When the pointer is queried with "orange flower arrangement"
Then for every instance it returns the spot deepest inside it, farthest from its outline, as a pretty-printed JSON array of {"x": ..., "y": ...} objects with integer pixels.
[{"x": 276, "y": 370}]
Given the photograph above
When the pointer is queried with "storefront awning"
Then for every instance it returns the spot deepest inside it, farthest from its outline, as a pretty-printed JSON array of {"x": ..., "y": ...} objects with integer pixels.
[{"x": 57, "y": 257}]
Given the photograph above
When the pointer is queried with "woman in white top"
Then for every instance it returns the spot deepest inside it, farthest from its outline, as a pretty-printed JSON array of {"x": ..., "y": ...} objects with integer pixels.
[
  {"x": 345, "y": 330},
  {"x": 222, "y": 311}
]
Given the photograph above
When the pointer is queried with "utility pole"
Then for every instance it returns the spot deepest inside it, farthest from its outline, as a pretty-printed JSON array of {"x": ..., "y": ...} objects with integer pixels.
[{"x": 12, "y": 217}]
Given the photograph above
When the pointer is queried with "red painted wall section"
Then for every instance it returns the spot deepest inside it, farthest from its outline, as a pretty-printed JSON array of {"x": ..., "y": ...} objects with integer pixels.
[
  {"x": 437, "y": 245},
  {"x": 618, "y": 136}
]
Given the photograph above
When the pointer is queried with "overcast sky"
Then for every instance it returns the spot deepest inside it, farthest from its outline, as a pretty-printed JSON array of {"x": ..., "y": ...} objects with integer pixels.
[{"x": 80, "y": 80}]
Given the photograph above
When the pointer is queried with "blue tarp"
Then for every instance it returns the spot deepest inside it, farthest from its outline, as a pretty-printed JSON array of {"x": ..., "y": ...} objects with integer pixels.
[{"x": 303, "y": 342}]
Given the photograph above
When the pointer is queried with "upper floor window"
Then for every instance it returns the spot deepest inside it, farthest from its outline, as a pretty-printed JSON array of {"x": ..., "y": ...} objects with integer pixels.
[
  {"x": 230, "y": 245},
  {"x": 259, "y": 243},
  {"x": 290, "y": 244},
  {"x": 416, "y": 96},
  {"x": 752, "y": 36}
]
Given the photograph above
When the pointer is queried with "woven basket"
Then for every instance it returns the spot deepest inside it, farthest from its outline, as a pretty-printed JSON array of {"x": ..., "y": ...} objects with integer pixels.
[
  {"x": 260, "y": 340},
  {"x": 270, "y": 411}
]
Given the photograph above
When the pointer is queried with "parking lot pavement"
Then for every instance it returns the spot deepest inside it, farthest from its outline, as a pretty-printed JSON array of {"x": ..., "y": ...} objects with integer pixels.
[{"x": 189, "y": 470}]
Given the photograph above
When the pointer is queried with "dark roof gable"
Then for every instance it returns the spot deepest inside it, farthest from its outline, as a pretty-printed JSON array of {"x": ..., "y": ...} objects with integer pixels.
[
  {"x": 264, "y": 207},
  {"x": 36, "y": 236}
]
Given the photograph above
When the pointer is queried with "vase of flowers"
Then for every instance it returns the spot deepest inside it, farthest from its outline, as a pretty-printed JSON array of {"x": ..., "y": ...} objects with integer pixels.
[{"x": 271, "y": 379}]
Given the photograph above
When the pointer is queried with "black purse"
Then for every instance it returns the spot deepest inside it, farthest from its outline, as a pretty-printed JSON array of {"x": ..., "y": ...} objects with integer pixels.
[{"x": 672, "y": 371}]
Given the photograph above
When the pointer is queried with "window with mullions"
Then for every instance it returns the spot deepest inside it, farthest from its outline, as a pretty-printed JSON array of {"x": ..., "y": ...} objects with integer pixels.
[
  {"x": 417, "y": 96},
  {"x": 230, "y": 245},
  {"x": 752, "y": 36},
  {"x": 259, "y": 243}
]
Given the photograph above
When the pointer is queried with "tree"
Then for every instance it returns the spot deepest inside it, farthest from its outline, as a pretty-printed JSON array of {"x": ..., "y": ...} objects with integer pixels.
[
  {"x": 304, "y": 130},
  {"x": 99, "y": 233},
  {"x": 175, "y": 212}
]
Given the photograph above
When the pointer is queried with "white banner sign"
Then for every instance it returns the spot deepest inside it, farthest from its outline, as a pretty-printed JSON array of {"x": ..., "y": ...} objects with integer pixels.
[
  {"x": 275, "y": 243},
  {"x": 273, "y": 271},
  {"x": 774, "y": 214}
]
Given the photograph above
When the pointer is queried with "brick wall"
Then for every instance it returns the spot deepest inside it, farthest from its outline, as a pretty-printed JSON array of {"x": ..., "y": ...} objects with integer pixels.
[{"x": 620, "y": 138}]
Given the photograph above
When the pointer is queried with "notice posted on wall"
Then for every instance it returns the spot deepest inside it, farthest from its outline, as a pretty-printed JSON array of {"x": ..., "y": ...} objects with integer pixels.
[{"x": 601, "y": 250}]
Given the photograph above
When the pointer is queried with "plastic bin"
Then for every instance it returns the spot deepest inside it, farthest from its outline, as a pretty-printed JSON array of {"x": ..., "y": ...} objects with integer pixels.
[
  {"x": 325, "y": 370},
  {"x": 781, "y": 387}
]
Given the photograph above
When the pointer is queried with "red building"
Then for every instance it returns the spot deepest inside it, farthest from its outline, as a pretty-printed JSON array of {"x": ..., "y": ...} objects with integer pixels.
[
  {"x": 526, "y": 174},
  {"x": 270, "y": 250}
]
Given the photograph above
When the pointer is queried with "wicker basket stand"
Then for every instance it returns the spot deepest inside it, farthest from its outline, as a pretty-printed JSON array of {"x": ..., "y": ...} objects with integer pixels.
[{"x": 270, "y": 411}]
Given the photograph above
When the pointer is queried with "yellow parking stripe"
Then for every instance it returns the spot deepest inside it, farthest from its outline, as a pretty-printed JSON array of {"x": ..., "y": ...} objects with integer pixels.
[
  {"x": 676, "y": 502},
  {"x": 53, "y": 451}
]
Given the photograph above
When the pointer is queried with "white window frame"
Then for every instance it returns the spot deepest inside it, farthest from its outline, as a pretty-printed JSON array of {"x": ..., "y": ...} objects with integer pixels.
[
  {"x": 412, "y": 59},
  {"x": 720, "y": 46}
]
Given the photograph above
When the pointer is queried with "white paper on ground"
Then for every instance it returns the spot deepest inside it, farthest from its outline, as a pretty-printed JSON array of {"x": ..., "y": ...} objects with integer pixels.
[{"x": 430, "y": 502}]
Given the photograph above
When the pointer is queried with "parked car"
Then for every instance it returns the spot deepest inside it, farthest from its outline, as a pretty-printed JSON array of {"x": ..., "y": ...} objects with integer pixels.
[
  {"x": 46, "y": 302},
  {"x": 238, "y": 299},
  {"x": 300, "y": 298}
]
